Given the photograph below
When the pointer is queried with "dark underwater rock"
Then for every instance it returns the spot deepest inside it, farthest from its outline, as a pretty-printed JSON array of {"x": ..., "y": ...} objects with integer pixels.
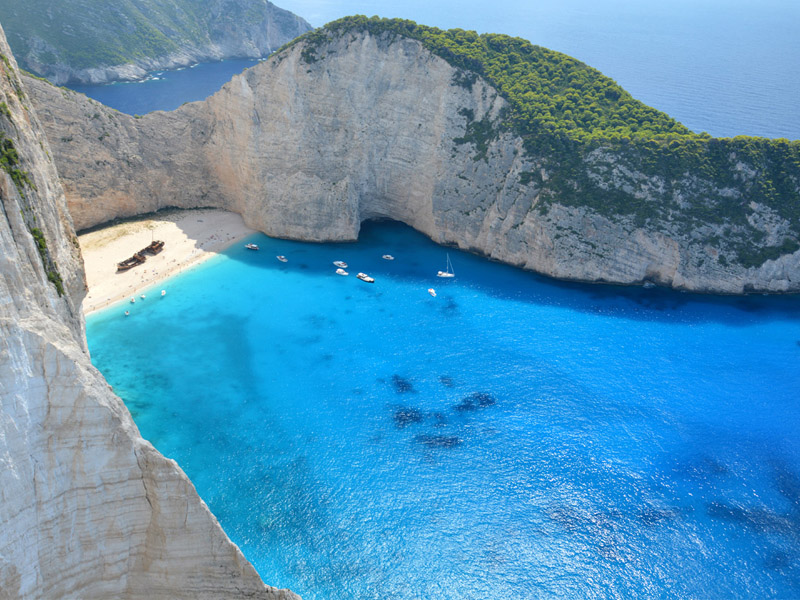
[
  {"x": 474, "y": 402},
  {"x": 402, "y": 385},
  {"x": 405, "y": 416}
]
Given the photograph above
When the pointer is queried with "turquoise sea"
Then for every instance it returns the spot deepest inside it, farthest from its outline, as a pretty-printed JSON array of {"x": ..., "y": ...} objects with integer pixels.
[
  {"x": 513, "y": 437},
  {"x": 728, "y": 67}
]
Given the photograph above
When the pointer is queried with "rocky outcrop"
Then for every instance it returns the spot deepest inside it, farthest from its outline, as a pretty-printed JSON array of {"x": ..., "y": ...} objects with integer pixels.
[
  {"x": 308, "y": 145},
  {"x": 76, "y": 42},
  {"x": 88, "y": 508}
]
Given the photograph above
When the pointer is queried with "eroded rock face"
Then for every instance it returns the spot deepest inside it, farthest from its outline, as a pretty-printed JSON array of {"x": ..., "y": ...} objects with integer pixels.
[
  {"x": 88, "y": 508},
  {"x": 126, "y": 40},
  {"x": 377, "y": 127}
]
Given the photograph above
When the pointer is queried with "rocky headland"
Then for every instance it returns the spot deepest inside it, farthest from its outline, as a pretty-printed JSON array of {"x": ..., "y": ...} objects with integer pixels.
[
  {"x": 362, "y": 120},
  {"x": 73, "y": 41},
  {"x": 88, "y": 508}
]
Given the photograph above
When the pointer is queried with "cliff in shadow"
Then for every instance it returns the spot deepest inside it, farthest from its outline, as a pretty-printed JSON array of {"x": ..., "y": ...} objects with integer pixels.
[
  {"x": 486, "y": 143},
  {"x": 88, "y": 508}
]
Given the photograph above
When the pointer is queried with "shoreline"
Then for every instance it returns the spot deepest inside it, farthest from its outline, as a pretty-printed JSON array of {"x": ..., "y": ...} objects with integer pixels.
[{"x": 191, "y": 237}]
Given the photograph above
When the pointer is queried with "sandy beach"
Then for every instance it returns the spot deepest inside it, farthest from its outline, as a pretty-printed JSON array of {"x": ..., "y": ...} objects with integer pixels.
[{"x": 190, "y": 236}]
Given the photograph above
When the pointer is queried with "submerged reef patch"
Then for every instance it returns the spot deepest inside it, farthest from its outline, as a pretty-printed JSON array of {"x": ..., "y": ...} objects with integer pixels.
[
  {"x": 475, "y": 402},
  {"x": 402, "y": 385},
  {"x": 405, "y": 416}
]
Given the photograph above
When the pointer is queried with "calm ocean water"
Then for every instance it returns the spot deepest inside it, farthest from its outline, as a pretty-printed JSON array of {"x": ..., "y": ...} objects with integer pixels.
[
  {"x": 512, "y": 437},
  {"x": 728, "y": 67},
  {"x": 166, "y": 90}
]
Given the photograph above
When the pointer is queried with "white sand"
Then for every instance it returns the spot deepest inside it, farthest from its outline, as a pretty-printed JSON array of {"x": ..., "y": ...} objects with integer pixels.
[{"x": 190, "y": 237}]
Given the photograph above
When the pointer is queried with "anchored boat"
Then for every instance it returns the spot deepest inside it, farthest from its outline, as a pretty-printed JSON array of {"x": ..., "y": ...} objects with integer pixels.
[{"x": 449, "y": 272}]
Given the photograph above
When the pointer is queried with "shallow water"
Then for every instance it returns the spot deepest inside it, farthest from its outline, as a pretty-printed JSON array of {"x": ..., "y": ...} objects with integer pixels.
[{"x": 513, "y": 437}]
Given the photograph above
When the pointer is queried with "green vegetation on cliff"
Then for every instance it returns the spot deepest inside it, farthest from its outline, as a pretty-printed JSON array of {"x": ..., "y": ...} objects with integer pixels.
[
  {"x": 550, "y": 92},
  {"x": 593, "y": 138},
  {"x": 82, "y": 34}
]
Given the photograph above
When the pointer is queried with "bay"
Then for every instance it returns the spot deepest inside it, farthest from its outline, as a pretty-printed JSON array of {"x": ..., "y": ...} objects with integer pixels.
[
  {"x": 511, "y": 437},
  {"x": 168, "y": 89}
]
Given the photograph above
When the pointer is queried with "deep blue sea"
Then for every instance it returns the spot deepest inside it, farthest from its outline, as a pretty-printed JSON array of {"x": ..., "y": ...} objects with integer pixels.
[
  {"x": 166, "y": 90},
  {"x": 513, "y": 437},
  {"x": 728, "y": 67}
]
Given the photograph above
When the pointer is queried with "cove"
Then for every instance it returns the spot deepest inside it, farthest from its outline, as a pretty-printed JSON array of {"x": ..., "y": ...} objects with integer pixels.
[
  {"x": 166, "y": 89},
  {"x": 513, "y": 437}
]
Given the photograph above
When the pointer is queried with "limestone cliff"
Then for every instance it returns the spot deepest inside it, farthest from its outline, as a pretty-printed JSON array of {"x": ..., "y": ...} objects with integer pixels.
[
  {"x": 88, "y": 508},
  {"x": 321, "y": 137},
  {"x": 81, "y": 41}
]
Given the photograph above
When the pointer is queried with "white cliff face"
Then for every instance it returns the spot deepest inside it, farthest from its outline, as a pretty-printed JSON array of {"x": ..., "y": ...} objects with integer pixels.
[
  {"x": 88, "y": 508},
  {"x": 374, "y": 128}
]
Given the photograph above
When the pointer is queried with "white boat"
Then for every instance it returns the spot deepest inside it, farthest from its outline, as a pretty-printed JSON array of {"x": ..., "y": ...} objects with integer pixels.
[
  {"x": 432, "y": 292},
  {"x": 251, "y": 246},
  {"x": 365, "y": 277},
  {"x": 387, "y": 257},
  {"x": 133, "y": 300},
  {"x": 143, "y": 296},
  {"x": 449, "y": 272},
  {"x": 340, "y": 263},
  {"x": 163, "y": 293},
  {"x": 282, "y": 258},
  {"x": 341, "y": 271}
]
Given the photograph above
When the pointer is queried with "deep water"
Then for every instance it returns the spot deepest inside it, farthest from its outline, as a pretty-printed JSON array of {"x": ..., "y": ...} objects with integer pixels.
[
  {"x": 513, "y": 437},
  {"x": 166, "y": 90},
  {"x": 728, "y": 67}
]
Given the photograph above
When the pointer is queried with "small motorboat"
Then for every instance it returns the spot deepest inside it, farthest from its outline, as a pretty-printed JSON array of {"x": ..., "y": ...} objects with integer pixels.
[
  {"x": 341, "y": 271},
  {"x": 340, "y": 263},
  {"x": 365, "y": 277},
  {"x": 251, "y": 246},
  {"x": 143, "y": 296},
  {"x": 387, "y": 257},
  {"x": 127, "y": 313},
  {"x": 432, "y": 292},
  {"x": 282, "y": 258},
  {"x": 163, "y": 293},
  {"x": 133, "y": 300}
]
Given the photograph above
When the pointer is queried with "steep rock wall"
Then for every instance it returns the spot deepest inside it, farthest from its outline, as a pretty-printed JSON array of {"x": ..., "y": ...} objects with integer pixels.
[
  {"x": 378, "y": 127},
  {"x": 96, "y": 42},
  {"x": 88, "y": 508}
]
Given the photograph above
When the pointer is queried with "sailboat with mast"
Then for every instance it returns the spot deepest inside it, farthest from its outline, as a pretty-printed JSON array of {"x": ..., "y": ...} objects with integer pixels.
[{"x": 449, "y": 272}]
